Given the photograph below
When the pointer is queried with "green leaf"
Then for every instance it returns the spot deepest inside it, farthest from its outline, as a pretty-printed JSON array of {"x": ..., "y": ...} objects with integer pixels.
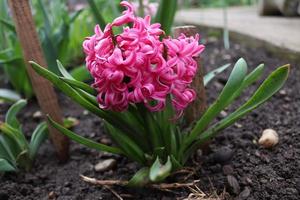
[
  {"x": 75, "y": 15},
  {"x": 175, "y": 163},
  {"x": 159, "y": 172},
  {"x": 81, "y": 85},
  {"x": 130, "y": 147},
  {"x": 69, "y": 91},
  {"x": 165, "y": 14},
  {"x": 63, "y": 70},
  {"x": 5, "y": 166},
  {"x": 50, "y": 50},
  {"x": 81, "y": 73},
  {"x": 6, "y": 151},
  {"x": 15, "y": 71},
  {"x": 84, "y": 141},
  {"x": 11, "y": 115},
  {"x": 140, "y": 179},
  {"x": 267, "y": 89},
  {"x": 8, "y": 25},
  {"x": 117, "y": 119},
  {"x": 46, "y": 19},
  {"x": 9, "y": 95},
  {"x": 70, "y": 122},
  {"x": 14, "y": 134},
  {"x": 39, "y": 135},
  {"x": 249, "y": 79},
  {"x": 233, "y": 84},
  {"x": 9, "y": 148},
  {"x": 209, "y": 76},
  {"x": 97, "y": 14}
]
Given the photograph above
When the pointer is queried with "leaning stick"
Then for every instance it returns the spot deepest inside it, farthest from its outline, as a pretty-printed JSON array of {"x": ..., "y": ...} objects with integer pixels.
[{"x": 44, "y": 91}]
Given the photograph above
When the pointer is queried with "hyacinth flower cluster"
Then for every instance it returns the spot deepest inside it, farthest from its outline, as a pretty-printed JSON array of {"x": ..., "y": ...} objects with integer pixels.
[
  {"x": 135, "y": 66},
  {"x": 142, "y": 85}
]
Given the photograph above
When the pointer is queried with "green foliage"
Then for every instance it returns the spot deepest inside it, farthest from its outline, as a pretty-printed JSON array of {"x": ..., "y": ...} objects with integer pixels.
[
  {"x": 209, "y": 76},
  {"x": 152, "y": 138},
  {"x": 15, "y": 151},
  {"x": 61, "y": 36},
  {"x": 165, "y": 14},
  {"x": 9, "y": 95}
]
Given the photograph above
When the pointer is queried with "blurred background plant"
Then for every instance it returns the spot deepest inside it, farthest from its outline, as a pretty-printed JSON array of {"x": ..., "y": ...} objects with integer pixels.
[
  {"x": 15, "y": 151},
  {"x": 61, "y": 33}
]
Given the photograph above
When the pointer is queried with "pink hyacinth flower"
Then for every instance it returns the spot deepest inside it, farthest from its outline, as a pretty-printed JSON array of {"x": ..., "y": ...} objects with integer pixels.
[{"x": 135, "y": 66}]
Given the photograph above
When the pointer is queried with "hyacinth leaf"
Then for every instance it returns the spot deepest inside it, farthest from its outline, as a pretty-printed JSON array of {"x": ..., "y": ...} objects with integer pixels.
[
  {"x": 5, "y": 151},
  {"x": 129, "y": 147},
  {"x": 84, "y": 141},
  {"x": 49, "y": 50},
  {"x": 97, "y": 14},
  {"x": 140, "y": 179},
  {"x": 233, "y": 84},
  {"x": 158, "y": 171},
  {"x": 114, "y": 118},
  {"x": 8, "y": 25},
  {"x": 153, "y": 130},
  {"x": 11, "y": 115},
  {"x": 68, "y": 90},
  {"x": 5, "y": 166},
  {"x": 92, "y": 99},
  {"x": 80, "y": 73},
  {"x": 209, "y": 76},
  {"x": 175, "y": 163},
  {"x": 266, "y": 90},
  {"x": 165, "y": 14},
  {"x": 39, "y": 135},
  {"x": 45, "y": 16},
  {"x": 63, "y": 70},
  {"x": 9, "y": 142},
  {"x": 81, "y": 85},
  {"x": 9, "y": 95},
  {"x": 249, "y": 79},
  {"x": 14, "y": 134},
  {"x": 74, "y": 16}
]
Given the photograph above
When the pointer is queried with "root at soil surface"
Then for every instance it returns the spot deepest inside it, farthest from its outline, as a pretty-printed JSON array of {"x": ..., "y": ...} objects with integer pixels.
[{"x": 160, "y": 186}]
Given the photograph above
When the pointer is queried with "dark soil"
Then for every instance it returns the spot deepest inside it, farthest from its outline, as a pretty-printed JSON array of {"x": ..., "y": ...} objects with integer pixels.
[{"x": 235, "y": 163}]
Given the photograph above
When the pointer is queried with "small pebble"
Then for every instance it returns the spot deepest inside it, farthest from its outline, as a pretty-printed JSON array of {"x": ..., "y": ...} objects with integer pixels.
[
  {"x": 238, "y": 125},
  {"x": 85, "y": 112},
  {"x": 269, "y": 138},
  {"x": 223, "y": 113},
  {"x": 38, "y": 114},
  {"x": 106, "y": 141},
  {"x": 105, "y": 165},
  {"x": 52, "y": 195},
  {"x": 282, "y": 92}
]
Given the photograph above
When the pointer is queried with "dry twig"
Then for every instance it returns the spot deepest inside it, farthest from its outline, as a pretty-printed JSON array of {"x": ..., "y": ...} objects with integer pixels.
[{"x": 160, "y": 186}]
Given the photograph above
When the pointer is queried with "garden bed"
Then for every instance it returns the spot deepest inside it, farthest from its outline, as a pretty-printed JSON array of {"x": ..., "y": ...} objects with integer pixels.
[{"x": 234, "y": 165}]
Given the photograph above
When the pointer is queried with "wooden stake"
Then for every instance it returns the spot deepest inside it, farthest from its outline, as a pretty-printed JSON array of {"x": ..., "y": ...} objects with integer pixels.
[
  {"x": 197, "y": 108},
  {"x": 43, "y": 89}
]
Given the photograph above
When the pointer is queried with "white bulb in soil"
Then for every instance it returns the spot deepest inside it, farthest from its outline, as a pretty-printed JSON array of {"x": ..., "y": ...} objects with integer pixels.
[{"x": 269, "y": 138}]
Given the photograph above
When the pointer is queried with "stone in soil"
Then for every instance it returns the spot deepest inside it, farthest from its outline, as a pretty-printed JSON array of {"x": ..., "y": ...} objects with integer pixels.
[
  {"x": 223, "y": 155},
  {"x": 105, "y": 165}
]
